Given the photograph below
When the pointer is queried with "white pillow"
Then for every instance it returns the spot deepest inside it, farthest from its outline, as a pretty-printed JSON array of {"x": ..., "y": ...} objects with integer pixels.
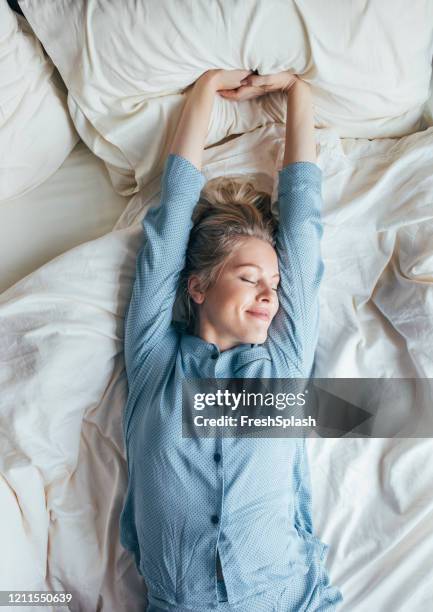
[
  {"x": 125, "y": 64},
  {"x": 36, "y": 131}
]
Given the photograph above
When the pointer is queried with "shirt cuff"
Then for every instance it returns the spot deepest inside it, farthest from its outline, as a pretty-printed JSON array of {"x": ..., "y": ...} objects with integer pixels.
[
  {"x": 180, "y": 174},
  {"x": 303, "y": 173}
]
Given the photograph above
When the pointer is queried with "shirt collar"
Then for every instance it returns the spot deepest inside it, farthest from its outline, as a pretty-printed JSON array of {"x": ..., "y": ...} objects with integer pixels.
[
  {"x": 193, "y": 342},
  {"x": 235, "y": 359}
]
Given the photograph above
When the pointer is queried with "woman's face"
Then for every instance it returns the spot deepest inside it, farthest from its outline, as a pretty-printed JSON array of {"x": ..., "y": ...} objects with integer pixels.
[{"x": 241, "y": 304}]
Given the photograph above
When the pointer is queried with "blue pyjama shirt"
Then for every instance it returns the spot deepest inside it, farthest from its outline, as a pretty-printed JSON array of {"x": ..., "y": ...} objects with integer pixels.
[{"x": 248, "y": 499}]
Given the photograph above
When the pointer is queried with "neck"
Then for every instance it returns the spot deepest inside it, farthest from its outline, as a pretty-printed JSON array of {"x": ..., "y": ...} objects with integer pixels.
[{"x": 207, "y": 332}]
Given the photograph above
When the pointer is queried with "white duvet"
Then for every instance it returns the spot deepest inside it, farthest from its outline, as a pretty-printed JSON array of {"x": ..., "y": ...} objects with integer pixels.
[{"x": 62, "y": 465}]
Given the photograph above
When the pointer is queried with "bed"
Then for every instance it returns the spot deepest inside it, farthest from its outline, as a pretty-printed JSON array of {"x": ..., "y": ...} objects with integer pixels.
[{"x": 62, "y": 462}]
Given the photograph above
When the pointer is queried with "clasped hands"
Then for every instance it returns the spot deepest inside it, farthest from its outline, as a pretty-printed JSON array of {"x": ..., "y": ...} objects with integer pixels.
[{"x": 244, "y": 85}]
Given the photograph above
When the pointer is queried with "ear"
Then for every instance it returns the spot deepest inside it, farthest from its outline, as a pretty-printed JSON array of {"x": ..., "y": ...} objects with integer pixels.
[{"x": 194, "y": 289}]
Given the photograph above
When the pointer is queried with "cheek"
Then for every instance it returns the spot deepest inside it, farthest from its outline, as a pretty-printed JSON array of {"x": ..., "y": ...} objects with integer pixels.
[
  {"x": 222, "y": 297},
  {"x": 229, "y": 291},
  {"x": 231, "y": 301},
  {"x": 242, "y": 296}
]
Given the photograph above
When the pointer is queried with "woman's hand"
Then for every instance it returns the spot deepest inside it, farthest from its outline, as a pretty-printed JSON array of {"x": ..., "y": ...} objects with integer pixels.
[
  {"x": 254, "y": 86},
  {"x": 225, "y": 80}
]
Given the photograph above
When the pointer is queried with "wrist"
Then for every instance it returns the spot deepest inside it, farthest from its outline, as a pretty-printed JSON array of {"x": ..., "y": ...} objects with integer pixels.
[
  {"x": 299, "y": 96},
  {"x": 209, "y": 80},
  {"x": 289, "y": 81}
]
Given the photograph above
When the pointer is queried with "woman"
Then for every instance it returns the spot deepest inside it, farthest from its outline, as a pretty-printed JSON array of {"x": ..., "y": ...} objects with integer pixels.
[{"x": 224, "y": 523}]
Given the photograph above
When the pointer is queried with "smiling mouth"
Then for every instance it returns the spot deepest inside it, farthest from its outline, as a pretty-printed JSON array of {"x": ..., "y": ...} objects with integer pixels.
[{"x": 259, "y": 315}]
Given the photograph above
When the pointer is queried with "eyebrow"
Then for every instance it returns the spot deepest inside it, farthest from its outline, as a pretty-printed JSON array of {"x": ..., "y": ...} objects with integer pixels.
[{"x": 254, "y": 266}]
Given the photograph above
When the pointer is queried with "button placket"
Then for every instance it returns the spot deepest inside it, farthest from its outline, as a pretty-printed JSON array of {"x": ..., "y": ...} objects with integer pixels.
[{"x": 217, "y": 456}]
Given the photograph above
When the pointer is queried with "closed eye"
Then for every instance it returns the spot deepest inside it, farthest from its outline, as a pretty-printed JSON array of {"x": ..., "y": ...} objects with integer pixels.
[{"x": 255, "y": 283}]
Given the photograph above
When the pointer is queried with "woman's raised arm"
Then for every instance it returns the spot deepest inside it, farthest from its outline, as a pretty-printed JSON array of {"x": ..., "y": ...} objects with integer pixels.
[
  {"x": 300, "y": 145},
  {"x": 294, "y": 331},
  {"x": 191, "y": 132},
  {"x": 166, "y": 227}
]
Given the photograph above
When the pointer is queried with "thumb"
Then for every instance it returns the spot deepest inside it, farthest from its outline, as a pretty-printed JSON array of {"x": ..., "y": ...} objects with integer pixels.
[
  {"x": 256, "y": 80},
  {"x": 244, "y": 76}
]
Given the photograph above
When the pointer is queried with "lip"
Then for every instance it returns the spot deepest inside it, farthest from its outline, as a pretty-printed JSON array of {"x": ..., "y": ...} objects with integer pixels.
[{"x": 264, "y": 316}]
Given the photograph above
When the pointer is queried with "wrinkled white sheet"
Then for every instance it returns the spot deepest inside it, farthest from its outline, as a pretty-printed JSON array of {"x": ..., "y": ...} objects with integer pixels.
[
  {"x": 36, "y": 130},
  {"x": 77, "y": 203},
  {"x": 63, "y": 387},
  {"x": 125, "y": 64}
]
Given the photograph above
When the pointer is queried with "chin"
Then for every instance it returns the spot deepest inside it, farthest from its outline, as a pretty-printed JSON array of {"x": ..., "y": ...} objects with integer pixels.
[
  {"x": 254, "y": 338},
  {"x": 256, "y": 334}
]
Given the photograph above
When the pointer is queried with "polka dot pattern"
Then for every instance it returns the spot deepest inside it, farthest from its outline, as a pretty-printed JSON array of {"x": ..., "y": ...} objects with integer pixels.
[{"x": 247, "y": 498}]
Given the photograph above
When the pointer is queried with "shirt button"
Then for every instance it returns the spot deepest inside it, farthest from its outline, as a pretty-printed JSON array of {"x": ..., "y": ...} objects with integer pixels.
[
  {"x": 217, "y": 457},
  {"x": 214, "y": 356},
  {"x": 214, "y": 518}
]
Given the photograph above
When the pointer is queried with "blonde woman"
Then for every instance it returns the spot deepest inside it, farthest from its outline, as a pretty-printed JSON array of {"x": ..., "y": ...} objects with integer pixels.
[{"x": 224, "y": 523}]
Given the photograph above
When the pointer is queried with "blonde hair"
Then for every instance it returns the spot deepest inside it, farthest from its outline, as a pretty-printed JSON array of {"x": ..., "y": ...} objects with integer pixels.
[{"x": 230, "y": 209}]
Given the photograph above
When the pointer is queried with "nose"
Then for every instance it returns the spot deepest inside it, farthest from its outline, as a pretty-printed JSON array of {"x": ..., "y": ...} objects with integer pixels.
[{"x": 266, "y": 293}]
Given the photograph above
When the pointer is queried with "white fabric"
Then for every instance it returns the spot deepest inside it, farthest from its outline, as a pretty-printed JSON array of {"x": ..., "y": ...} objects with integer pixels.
[
  {"x": 77, "y": 203},
  {"x": 125, "y": 64},
  {"x": 36, "y": 131},
  {"x": 63, "y": 387}
]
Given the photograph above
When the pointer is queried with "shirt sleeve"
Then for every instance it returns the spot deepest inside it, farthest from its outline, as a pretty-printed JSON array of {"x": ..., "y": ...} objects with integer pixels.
[
  {"x": 161, "y": 258},
  {"x": 293, "y": 333}
]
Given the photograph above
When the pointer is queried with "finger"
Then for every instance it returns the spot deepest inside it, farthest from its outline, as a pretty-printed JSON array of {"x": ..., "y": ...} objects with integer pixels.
[
  {"x": 242, "y": 93},
  {"x": 237, "y": 95},
  {"x": 251, "y": 89},
  {"x": 241, "y": 76},
  {"x": 257, "y": 81},
  {"x": 229, "y": 93}
]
